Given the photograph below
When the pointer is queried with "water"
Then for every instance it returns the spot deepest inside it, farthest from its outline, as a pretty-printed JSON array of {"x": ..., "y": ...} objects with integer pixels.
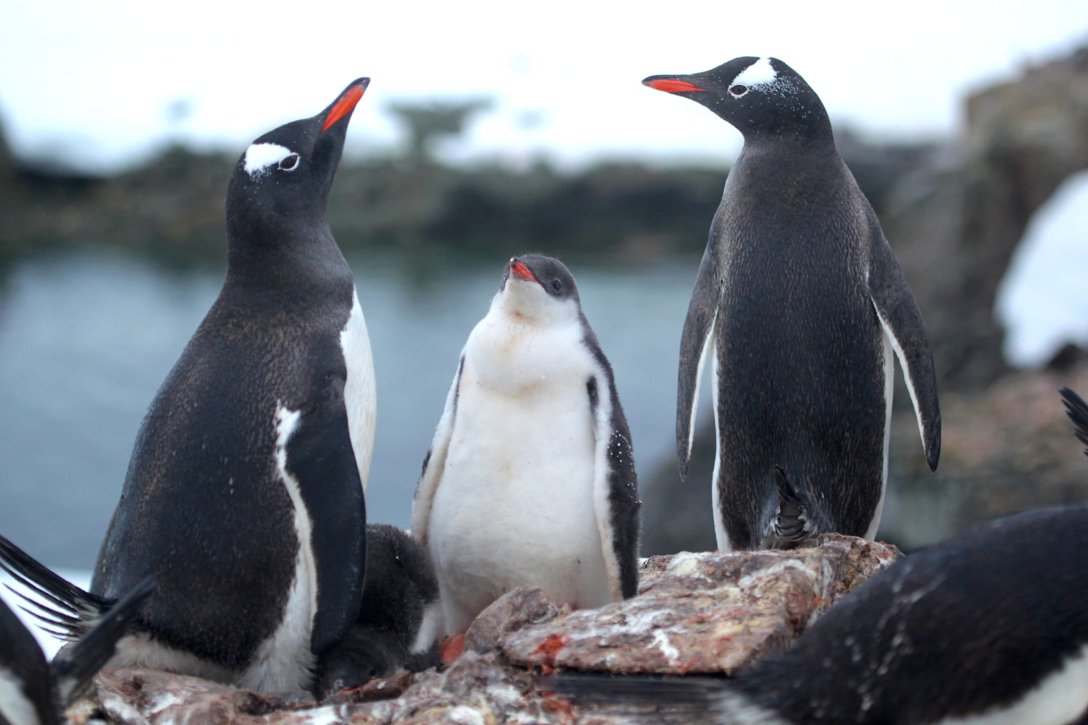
[{"x": 85, "y": 342}]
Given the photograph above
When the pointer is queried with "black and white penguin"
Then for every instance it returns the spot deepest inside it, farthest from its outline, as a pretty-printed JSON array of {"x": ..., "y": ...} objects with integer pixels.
[
  {"x": 34, "y": 691},
  {"x": 803, "y": 305},
  {"x": 245, "y": 492},
  {"x": 988, "y": 627},
  {"x": 399, "y": 622},
  {"x": 530, "y": 479}
]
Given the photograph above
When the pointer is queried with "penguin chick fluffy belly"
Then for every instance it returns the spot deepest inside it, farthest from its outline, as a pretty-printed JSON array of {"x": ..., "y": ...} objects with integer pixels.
[{"x": 530, "y": 481}]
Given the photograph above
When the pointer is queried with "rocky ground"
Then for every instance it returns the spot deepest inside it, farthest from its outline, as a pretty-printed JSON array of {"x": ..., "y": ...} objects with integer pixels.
[{"x": 698, "y": 613}]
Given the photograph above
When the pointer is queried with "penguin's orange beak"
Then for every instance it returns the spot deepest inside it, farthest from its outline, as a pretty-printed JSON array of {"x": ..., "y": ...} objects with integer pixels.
[
  {"x": 345, "y": 104},
  {"x": 670, "y": 85},
  {"x": 520, "y": 271}
]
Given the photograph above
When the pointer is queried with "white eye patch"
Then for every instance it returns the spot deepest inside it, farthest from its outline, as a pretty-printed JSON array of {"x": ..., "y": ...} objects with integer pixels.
[
  {"x": 758, "y": 74},
  {"x": 261, "y": 157}
]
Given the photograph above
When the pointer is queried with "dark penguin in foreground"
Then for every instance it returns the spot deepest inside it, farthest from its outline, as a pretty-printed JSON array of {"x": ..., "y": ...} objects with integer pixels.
[
  {"x": 399, "y": 622},
  {"x": 987, "y": 627},
  {"x": 245, "y": 492},
  {"x": 530, "y": 480},
  {"x": 33, "y": 690},
  {"x": 803, "y": 306}
]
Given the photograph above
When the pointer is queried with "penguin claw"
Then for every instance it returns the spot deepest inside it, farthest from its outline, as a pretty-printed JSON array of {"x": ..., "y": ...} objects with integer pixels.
[{"x": 790, "y": 526}]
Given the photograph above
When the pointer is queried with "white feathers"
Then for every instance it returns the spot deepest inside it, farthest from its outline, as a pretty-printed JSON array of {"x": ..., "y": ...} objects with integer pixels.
[
  {"x": 889, "y": 394},
  {"x": 260, "y": 157},
  {"x": 430, "y": 629},
  {"x": 360, "y": 393},
  {"x": 507, "y": 498},
  {"x": 889, "y": 335},
  {"x": 284, "y": 662},
  {"x": 15, "y": 707},
  {"x": 760, "y": 73}
]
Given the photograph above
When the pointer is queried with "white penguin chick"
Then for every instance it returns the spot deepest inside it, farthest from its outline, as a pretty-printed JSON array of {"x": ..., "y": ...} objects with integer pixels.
[{"x": 530, "y": 480}]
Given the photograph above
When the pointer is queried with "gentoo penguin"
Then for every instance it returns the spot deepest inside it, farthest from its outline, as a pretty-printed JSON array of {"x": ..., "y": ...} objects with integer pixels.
[
  {"x": 530, "y": 479},
  {"x": 35, "y": 691},
  {"x": 803, "y": 305},
  {"x": 400, "y": 619},
  {"x": 244, "y": 494}
]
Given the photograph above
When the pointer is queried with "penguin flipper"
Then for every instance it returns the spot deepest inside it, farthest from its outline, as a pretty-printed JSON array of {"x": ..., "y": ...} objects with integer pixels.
[
  {"x": 321, "y": 458},
  {"x": 791, "y": 525},
  {"x": 74, "y": 666},
  {"x": 435, "y": 461},
  {"x": 697, "y": 338},
  {"x": 903, "y": 326},
  {"x": 71, "y": 611},
  {"x": 1077, "y": 410},
  {"x": 615, "y": 484}
]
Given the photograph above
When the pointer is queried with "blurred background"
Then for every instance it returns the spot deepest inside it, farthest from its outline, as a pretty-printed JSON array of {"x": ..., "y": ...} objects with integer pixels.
[{"x": 491, "y": 129}]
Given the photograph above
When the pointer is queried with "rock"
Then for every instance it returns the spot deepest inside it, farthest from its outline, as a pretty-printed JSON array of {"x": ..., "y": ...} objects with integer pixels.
[
  {"x": 704, "y": 613},
  {"x": 1007, "y": 449},
  {"x": 956, "y": 225},
  {"x": 509, "y": 613},
  {"x": 708, "y": 612}
]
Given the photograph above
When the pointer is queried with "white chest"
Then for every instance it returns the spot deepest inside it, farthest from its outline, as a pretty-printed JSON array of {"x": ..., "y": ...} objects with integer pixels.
[
  {"x": 515, "y": 502},
  {"x": 360, "y": 394}
]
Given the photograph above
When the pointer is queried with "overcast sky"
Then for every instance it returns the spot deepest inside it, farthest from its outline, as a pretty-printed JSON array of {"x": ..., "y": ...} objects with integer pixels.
[{"x": 94, "y": 82}]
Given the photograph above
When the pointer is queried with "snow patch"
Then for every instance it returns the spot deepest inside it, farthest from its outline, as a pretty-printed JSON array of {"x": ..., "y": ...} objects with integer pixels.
[{"x": 1042, "y": 299}]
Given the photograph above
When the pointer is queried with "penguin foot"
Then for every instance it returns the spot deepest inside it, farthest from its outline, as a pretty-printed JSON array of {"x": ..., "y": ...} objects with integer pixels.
[
  {"x": 790, "y": 526},
  {"x": 452, "y": 648}
]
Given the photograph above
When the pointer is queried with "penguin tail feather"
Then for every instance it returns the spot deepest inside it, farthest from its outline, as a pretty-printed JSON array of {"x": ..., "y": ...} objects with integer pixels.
[
  {"x": 75, "y": 666},
  {"x": 791, "y": 524},
  {"x": 67, "y": 612},
  {"x": 642, "y": 698},
  {"x": 1077, "y": 410}
]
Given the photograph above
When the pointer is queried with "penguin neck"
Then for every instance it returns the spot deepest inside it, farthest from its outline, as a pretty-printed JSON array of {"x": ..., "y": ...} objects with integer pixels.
[
  {"x": 289, "y": 256},
  {"x": 789, "y": 145}
]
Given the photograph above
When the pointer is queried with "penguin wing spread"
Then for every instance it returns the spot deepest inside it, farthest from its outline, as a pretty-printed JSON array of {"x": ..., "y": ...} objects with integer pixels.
[
  {"x": 694, "y": 343},
  {"x": 321, "y": 457},
  {"x": 904, "y": 328},
  {"x": 615, "y": 487},
  {"x": 435, "y": 461}
]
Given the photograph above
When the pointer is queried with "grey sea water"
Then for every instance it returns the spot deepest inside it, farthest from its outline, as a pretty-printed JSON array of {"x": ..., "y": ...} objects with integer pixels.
[{"x": 85, "y": 342}]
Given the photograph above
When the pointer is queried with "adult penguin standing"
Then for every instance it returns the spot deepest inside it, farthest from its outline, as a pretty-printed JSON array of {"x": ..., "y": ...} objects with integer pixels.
[
  {"x": 245, "y": 493},
  {"x": 803, "y": 304}
]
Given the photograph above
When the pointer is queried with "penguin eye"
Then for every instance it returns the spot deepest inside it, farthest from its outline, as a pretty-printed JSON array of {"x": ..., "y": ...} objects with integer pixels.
[
  {"x": 737, "y": 90},
  {"x": 289, "y": 162},
  {"x": 557, "y": 286}
]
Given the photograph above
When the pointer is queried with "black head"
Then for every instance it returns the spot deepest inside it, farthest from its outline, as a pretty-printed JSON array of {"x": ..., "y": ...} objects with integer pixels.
[
  {"x": 281, "y": 183},
  {"x": 761, "y": 97},
  {"x": 547, "y": 272}
]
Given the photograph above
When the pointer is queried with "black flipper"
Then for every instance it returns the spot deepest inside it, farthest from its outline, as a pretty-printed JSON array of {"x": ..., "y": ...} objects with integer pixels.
[
  {"x": 1077, "y": 410},
  {"x": 74, "y": 666},
  {"x": 74, "y": 611},
  {"x": 902, "y": 322},
  {"x": 695, "y": 343}
]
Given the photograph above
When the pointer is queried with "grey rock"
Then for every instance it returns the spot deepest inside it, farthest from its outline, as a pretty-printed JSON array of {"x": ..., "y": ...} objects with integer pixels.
[{"x": 704, "y": 613}]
